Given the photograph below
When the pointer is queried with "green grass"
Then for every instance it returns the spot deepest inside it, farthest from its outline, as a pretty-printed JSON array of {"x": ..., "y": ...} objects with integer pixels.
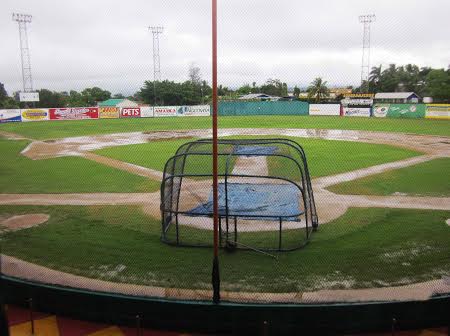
[
  {"x": 424, "y": 179},
  {"x": 19, "y": 174},
  {"x": 155, "y": 154},
  {"x": 152, "y": 155},
  {"x": 61, "y": 129},
  {"x": 363, "y": 248},
  {"x": 325, "y": 157},
  {"x": 329, "y": 157}
]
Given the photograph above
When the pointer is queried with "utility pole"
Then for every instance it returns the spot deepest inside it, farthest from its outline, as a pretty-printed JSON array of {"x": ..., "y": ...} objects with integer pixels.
[
  {"x": 215, "y": 281},
  {"x": 22, "y": 20},
  {"x": 366, "y": 20},
  {"x": 156, "y": 31}
]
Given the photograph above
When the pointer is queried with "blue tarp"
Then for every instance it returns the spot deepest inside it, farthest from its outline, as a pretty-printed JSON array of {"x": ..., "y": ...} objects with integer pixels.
[
  {"x": 253, "y": 200},
  {"x": 255, "y": 150}
]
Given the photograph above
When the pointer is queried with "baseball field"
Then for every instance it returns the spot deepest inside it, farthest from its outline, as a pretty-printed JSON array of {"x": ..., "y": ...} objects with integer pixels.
[{"x": 79, "y": 206}]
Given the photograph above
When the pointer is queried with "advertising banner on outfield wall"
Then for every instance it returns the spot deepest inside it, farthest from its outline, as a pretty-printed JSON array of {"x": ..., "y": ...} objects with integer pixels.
[
  {"x": 73, "y": 113},
  {"x": 35, "y": 114},
  {"x": 108, "y": 112},
  {"x": 248, "y": 108},
  {"x": 437, "y": 111},
  {"x": 165, "y": 111},
  {"x": 196, "y": 110},
  {"x": 380, "y": 110},
  {"x": 356, "y": 111},
  {"x": 324, "y": 109},
  {"x": 406, "y": 111},
  {"x": 146, "y": 111},
  {"x": 10, "y": 116},
  {"x": 130, "y": 112}
]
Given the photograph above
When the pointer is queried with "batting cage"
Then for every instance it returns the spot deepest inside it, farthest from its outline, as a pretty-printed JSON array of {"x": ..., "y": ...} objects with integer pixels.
[{"x": 266, "y": 201}]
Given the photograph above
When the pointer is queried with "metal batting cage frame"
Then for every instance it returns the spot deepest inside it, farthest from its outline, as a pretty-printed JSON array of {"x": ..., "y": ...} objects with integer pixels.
[{"x": 264, "y": 190}]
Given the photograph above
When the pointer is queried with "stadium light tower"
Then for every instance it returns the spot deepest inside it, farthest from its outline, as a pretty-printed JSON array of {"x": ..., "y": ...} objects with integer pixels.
[
  {"x": 22, "y": 20},
  {"x": 156, "y": 31},
  {"x": 366, "y": 20}
]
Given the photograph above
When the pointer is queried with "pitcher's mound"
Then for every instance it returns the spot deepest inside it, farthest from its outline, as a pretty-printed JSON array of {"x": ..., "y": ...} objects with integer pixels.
[{"x": 20, "y": 222}]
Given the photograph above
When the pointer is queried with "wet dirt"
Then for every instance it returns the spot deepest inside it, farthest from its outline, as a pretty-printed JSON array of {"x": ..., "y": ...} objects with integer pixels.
[
  {"x": 62, "y": 147},
  {"x": 125, "y": 166},
  {"x": 12, "y": 136},
  {"x": 19, "y": 222},
  {"x": 25, "y": 270}
]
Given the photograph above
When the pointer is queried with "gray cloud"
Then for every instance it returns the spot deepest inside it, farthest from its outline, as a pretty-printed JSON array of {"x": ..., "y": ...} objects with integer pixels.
[{"x": 106, "y": 43}]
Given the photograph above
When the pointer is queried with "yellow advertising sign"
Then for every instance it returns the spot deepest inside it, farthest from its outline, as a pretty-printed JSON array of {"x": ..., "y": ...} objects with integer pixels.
[
  {"x": 437, "y": 111},
  {"x": 34, "y": 114},
  {"x": 108, "y": 112},
  {"x": 359, "y": 95}
]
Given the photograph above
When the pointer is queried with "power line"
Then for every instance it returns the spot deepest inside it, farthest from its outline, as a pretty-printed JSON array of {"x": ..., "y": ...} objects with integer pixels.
[
  {"x": 366, "y": 20},
  {"x": 156, "y": 31},
  {"x": 22, "y": 20}
]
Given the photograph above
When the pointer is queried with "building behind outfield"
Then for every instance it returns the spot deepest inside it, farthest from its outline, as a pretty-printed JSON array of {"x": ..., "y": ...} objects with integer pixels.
[
  {"x": 118, "y": 103},
  {"x": 396, "y": 97}
]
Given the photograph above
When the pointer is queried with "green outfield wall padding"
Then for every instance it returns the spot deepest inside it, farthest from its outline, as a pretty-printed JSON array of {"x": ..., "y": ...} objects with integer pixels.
[
  {"x": 403, "y": 110},
  {"x": 236, "y": 108}
]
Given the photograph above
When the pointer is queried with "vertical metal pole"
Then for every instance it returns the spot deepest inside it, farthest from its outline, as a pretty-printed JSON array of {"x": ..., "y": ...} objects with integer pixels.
[
  {"x": 138, "y": 326},
  {"x": 279, "y": 236},
  {"x": 235, "y": 229},
  {"x": 177, "y": 229},
  {"x": 393, "y": 326},
  {"x": 220, "y": 230},
  {"x": 30, "y": 306},
  {"x": 4, "y": 325},
  {"x": 215, "y": 270}
]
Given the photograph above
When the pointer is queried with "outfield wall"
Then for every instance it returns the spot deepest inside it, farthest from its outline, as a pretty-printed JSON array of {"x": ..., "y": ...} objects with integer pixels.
[
  {"x": 235, "y": 108},
  {"x": 79, "y": 113},
  {"x": 11, "y": 115},
  {"x": 325, "y": 109},
  {"x": 356, "y": 111},
  {"x": 399, "y": 110},
  {"x": 411, "y": 111},
  {"x": 438, "y": 111}
]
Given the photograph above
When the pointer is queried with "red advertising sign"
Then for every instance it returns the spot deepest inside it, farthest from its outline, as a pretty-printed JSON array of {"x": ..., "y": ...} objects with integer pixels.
[
  {"x": 130, "y": 112},
  {"x": 73, "y": 113}
]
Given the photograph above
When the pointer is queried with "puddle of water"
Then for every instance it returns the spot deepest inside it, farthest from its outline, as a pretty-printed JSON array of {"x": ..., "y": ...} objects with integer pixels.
[
  {"x": 165, "y": 139},
  {"x": 398, "y": 193}
]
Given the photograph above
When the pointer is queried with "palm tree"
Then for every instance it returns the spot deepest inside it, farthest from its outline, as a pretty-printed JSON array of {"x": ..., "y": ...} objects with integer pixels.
[
  {"x": 375, "y": 74},
  {"x": 318, "y": 89}
]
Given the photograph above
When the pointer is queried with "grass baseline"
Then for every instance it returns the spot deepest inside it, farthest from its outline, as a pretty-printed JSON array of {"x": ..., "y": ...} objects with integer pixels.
[{"x": 424, "y": 179}]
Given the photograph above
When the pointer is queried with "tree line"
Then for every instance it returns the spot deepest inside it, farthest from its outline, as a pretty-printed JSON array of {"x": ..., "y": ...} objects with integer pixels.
[
  {"x": 424, "y": 81},
  {"x": 48, "y": 98}
]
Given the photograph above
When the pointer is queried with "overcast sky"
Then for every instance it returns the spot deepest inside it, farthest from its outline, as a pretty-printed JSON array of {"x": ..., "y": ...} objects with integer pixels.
[{"x": 78, "y": 44}]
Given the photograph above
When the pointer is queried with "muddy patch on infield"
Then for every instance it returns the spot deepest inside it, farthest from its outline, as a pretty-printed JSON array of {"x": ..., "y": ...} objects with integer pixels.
[{"x": 20, "y": 222}]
